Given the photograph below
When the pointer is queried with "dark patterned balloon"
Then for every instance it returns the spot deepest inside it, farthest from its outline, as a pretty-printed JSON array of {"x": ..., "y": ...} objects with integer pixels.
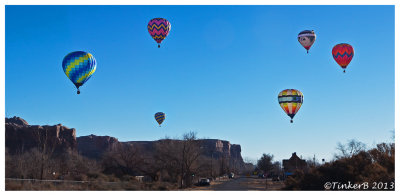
[
  {"x": 160, "y": 117},
  {"x": 159, "y": 29}
]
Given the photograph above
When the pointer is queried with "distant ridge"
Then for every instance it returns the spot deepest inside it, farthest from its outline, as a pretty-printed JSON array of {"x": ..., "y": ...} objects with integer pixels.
[{"x": 20, "y": 136}]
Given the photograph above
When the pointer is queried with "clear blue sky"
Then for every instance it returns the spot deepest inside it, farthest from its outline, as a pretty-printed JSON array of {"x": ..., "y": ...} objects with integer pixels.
[{"x": 218, "y": 73}]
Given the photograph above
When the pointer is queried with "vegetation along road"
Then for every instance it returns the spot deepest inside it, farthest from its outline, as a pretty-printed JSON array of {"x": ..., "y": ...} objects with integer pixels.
[{"x": 241, "y": 183}]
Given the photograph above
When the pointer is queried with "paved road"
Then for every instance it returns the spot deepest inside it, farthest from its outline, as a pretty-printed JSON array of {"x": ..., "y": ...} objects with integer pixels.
[{"x": 241, "y": 184}]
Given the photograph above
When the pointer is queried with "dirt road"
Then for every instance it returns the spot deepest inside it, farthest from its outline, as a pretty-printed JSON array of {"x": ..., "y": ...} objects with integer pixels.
[{"x": 241, "y": 184}]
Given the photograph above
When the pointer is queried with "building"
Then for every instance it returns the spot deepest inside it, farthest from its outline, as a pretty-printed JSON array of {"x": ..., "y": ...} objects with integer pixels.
[{"x": 293, "y": 164}]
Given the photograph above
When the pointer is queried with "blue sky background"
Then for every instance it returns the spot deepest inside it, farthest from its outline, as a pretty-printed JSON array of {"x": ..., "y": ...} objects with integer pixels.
[{"x": 218, "y": 73}]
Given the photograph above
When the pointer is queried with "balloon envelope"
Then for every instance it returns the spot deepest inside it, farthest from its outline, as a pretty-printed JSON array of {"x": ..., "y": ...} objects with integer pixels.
[
  {"x": 343, "y": 54},
  {"x": 79, "y": 66},
  {"x": 159, "y": 29},
  {"x": 160, "y": 117},
  {"x": 290, "y": 101},
  {"x": 307, "y": 38}
]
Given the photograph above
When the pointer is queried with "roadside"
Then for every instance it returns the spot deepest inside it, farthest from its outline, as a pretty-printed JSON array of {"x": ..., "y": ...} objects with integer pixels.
[{"x": 241, "y": 183}]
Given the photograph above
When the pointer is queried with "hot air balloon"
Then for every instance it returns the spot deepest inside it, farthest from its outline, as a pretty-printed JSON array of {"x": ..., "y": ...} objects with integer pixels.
[
  {"x": 79, "y": 66},
  {"x": 343, "y": 53},
  {"x": 290, "y": 101},
  {"x": 307, "y": 38},
  {"x": 160, "y": 117},
  {"x": 159, "y": 29}
]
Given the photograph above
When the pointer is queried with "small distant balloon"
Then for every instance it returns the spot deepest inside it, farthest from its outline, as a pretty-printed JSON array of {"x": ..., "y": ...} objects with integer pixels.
[
  {"x": 290, "y": 101},
  {"x": 307, "y": 38},
  {"x": 159, "y": 29},
  {"x": 343, "y": 54},
  {"x": 79, "y": 66},
  {"x": 160, "y": 117}
]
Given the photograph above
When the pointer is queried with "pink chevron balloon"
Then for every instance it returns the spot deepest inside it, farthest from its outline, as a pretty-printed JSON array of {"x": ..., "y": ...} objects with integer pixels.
[{"x": 159, "y": 29}]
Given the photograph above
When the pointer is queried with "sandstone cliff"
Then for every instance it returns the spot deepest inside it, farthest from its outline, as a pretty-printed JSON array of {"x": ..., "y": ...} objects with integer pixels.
[
  {"x": 93, "y": 146},
  {"x": 20, "y": 136}
]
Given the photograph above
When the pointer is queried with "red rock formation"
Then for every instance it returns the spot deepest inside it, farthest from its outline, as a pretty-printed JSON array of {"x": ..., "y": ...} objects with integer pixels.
[
  {"x": 20, "y": 136},
  {"x": 93, "y": 146}
]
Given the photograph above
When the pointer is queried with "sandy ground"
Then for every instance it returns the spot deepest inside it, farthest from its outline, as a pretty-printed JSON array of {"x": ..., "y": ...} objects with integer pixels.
[{"x": 240, "y": 184}]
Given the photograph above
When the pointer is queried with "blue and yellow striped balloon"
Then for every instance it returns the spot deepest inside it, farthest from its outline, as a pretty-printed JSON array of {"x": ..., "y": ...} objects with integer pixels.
[
  {"x": 79, "y": 66},
  {"x": 160, "y": 117}
]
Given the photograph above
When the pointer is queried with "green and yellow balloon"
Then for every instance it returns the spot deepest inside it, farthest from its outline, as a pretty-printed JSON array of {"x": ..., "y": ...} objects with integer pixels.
[{"x": 79, "y": 66}]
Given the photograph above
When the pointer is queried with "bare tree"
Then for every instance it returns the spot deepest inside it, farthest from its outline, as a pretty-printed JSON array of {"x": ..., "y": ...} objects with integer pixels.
[
  {"x": 351, "y": 148},
  {"x": 392, "y": 137},
  {"x": 248, "y": 169},
  {"x": 180, "y": 157},
  {"x": 35, "y": 162},
  {"x": 15, "y": 164},
  {"x": 250, "y": 160},
  {"x": 223, "y": 165},
  {"x": 168, "y": 156},
  {"x": 45, "y": 147},
  {"x": 191, "y": 150},
  {"x": 277, "y": 168},
  {"x": 312, "y": 162},
  {"x": 129, "y": 155}
]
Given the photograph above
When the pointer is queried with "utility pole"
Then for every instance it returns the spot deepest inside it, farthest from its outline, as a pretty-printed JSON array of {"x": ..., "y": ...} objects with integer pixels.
[
  {"x": 183, "y": 158},
  {"x": 266, "y": 181},
  {"x": 314, "y": 160},
  {"x": 212, "y": 157}
]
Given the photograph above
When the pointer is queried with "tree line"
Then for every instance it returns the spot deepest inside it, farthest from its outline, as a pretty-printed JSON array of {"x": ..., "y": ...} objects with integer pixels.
[
  {"x": 352, "y": 163},
  {"x": 174, "y": 163}
]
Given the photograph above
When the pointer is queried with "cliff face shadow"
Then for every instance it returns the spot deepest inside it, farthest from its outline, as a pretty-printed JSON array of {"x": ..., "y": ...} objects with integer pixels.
[{"x": 55, "y": 154}]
